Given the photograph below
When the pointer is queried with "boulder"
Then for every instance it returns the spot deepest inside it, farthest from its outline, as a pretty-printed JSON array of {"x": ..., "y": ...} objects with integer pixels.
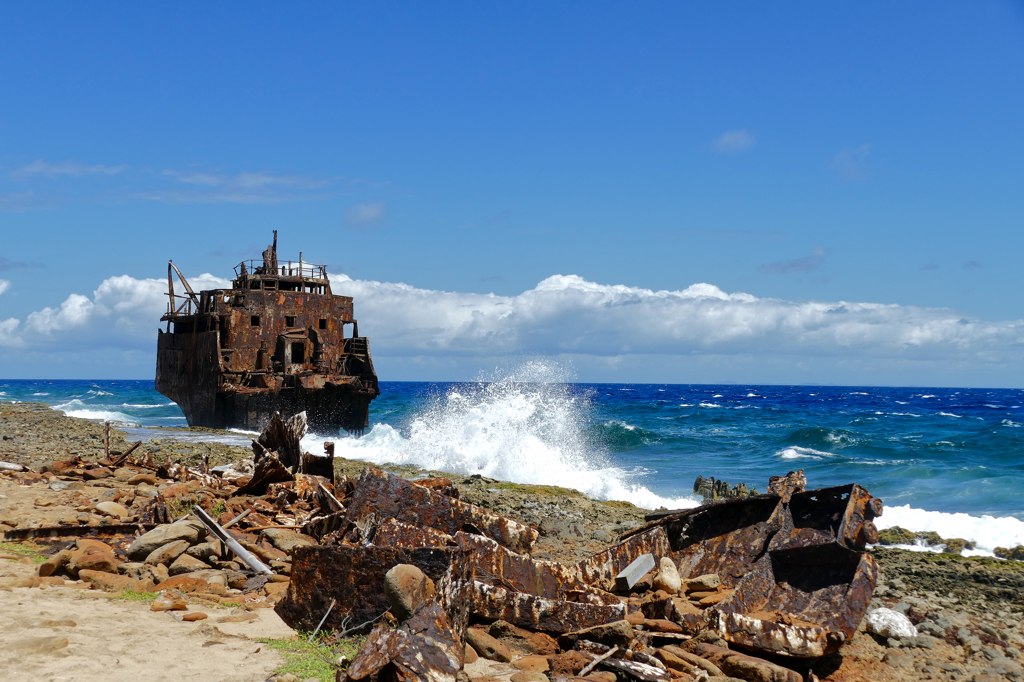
[
  {"x": 186, "y": 564},
  {"x": 528, "y": 676},
  {"x": 888, "y": 623},
  {"x": 286, "y": 540},
  {"x": 192, "y": 531},
  {"x": 167, "y": 553},
  {"x": 703, "y": 583},
  {"x": 205, "y": 551},
  {"x": 537, "y": 664},
  {"x": 524, "y": 641},
  {"x": 616, "y": 633},
  {"x": 94, "y": 559},
  {"x": 567, "y": 664},
  {"x": 668, "y": 577},
  {"x": 55, "y": 563},
  {"x": 112, "y": 509},
  {"x": 170, "y": 600},
  {"x": 487, "y": 646},
  {"x": 112, "y": 582},
  {"x": 405, "y": 588}
]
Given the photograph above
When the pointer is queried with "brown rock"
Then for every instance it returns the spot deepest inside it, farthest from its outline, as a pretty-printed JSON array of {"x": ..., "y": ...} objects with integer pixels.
[
  {"x": 184, "y": 583},
  {"x": 405, "y": 588},
  {"x": 148, "y": 479},
  {"x": 173, "y": 490},
  {"x": 668, "y": 577},
  {"x": 601, "y": 676},
  {"x": 528, "y": 676},
  {"x": 567, "y": 664},
  {"x": 96, "y": 474},
  {"x": 186, "y": 564},
  {"x": 708, "y": 581},
  {"x": 166, "y": 554},
  {"x": 55, "y": 563},
  {"x": 616, "y": 633},
  {"x": 160, "y": 573},
  {"x": 742, "y": 666},
  {"x": 636, "y": 618},
  {"x": 537, "y": 664},
  {"x": 111, "y": 582},
  {"x": 694, "y": 660},
  {"x": 518, "y": 639},
  {"x": 674, "y": 662},
  {"x": 193, "y": 616},
  {"x": 661, "y": 625},
  {"x": 487, "y": 646},
  {"x": 471, "y": 655},
  {"x": 716, "y": 598},
  {"x": 93, "y": 559}
]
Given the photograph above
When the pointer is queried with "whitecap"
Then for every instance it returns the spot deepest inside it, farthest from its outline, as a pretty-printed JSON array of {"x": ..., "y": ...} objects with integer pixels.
[
  {"x": 1012, "y": 424},
  {"x": 950, "y": 414},
  {"x": 709, "y": 405},
  {"x": 797, "y": 452},
  {"x": 119, "y": 418},
  {"x": 988, "y": 531}
]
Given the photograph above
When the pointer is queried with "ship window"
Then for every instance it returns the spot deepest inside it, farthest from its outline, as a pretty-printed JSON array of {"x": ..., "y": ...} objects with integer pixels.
[
  {"x": 289, "y": 321},
  {"x": 323, "y": 323},
  {"x": 254, "y": 321},
  {"x": 298, "y": 353},
  {"x": 255, "y": 284}
]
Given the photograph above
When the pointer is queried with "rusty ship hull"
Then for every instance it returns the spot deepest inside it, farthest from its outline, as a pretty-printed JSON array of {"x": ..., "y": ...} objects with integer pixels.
[{"x": 275, "y": 341}]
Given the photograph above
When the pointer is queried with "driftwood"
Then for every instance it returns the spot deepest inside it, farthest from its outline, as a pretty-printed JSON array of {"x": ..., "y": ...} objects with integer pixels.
[{"x": 282, "y": 437}]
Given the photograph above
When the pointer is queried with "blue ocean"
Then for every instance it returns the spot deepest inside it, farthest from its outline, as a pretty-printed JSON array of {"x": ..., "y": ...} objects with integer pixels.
[{"x": 943, "y": 459}]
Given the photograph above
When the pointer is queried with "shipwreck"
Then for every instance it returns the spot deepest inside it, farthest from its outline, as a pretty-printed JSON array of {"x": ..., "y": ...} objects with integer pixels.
[{"x": 275, "y": 341}]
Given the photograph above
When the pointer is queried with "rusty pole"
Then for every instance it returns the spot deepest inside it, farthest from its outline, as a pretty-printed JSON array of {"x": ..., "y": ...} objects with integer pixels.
[{"x": 106, "y": 440}]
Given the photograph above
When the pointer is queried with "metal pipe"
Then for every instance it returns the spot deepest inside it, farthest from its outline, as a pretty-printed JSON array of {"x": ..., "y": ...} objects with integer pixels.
[{"x": 222, "y": 535}]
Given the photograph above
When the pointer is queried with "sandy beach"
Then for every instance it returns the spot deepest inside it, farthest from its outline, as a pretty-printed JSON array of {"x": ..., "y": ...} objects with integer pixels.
[{"x": 967, "y": 610}]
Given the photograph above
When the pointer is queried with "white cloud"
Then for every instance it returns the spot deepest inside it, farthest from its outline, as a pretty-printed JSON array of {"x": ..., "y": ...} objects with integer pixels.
[
  {"x": 259, "y": 187},
  {"x": 4, "y": 285},
  {"x": 367, "y": 215},
  {"x": 69, "y": 168},
  {"x": 733, "y": 141},
  {"x": 611, "y": 324},
  {"x": 851, "y": 163}
]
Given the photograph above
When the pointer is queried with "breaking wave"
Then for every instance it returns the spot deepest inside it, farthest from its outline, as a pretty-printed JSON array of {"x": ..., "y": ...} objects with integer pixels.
[{"x": 529, "y": 426}]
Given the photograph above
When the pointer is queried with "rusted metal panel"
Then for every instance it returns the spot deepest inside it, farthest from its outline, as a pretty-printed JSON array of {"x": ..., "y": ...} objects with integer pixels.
[
  {"x": 274, "y": 341},
  {"x": 492, "y": 602},
  {"x": 387, "y": 495},
  {"x": 354, "y": 576},
  {"x": 800, "y": 602},
  {"x": 392, "y": 533},
  {"x": 605, "y": 565},
  {"x": 423, "y": 648}
]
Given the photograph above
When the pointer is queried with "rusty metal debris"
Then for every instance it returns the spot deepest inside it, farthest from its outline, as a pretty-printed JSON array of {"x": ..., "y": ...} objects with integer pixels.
[
  {"x": 274, "y": 341},
  {"x": 782, "y": 573}
]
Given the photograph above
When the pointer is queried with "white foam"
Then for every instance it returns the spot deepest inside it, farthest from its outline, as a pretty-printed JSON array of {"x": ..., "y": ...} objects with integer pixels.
[
  {"x": 527, "y": 426},
  {"x": 709, "y": 405},
  {"x": 119, "y": 418},
  {"x": 797, "y": 452},
  {"x": 950, "y": 414},
  {"x": 988, "y": 531},
  {"x": 1010, "y": 423}
]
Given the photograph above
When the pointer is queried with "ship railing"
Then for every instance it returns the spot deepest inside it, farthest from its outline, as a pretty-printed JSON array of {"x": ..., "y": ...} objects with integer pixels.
[
  {"x": 187, "y": 306},
  {"x": 288, "y": 268}
]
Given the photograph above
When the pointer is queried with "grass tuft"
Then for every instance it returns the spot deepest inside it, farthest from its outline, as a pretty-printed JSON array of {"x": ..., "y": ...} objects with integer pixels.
[
  {"x": 132, "y": 595},
  {"x": 306, "y": 659},
  {"x": 27, "y": 549}
]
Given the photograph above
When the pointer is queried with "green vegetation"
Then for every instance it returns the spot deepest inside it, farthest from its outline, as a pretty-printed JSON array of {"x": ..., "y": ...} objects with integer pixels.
[
  {"x": 306, "y": 659},
  {"x": 618, "y": 504},
  {"x": 132, "y": 595},
  {"x": 26, "y": 549},
  {"x": 550, "y": 490},
  {"x": 901, "y": 536}
]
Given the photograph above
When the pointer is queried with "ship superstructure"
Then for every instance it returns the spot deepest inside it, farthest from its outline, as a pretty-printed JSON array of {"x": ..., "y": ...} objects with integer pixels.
[{"x": 274, "y": 341}]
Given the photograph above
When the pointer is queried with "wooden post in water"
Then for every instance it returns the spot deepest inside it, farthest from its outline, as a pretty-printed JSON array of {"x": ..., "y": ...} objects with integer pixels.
[{"x": 106, "y": 440}]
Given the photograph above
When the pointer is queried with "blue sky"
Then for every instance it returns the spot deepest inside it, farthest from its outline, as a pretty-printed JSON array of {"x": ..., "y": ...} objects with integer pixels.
[{"x": 800, "y": 153}]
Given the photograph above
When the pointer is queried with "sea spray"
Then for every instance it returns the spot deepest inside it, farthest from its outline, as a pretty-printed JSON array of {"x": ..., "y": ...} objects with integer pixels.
[{"x": 529, "y": 426}]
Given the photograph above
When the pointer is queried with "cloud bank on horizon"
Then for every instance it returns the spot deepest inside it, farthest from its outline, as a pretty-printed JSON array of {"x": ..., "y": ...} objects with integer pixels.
[{"x": 563, "y": 316}]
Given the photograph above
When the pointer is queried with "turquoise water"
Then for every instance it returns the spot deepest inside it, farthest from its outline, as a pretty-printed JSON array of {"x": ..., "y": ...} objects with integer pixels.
[{"x": 942, "y": 459}]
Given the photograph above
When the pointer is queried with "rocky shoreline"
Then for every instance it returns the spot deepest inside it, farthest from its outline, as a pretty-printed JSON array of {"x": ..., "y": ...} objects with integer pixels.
[{"x": 968, "y": 611}]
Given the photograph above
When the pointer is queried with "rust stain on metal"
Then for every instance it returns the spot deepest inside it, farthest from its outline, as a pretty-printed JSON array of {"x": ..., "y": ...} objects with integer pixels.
[
  {"x": 387, "y": 495},
  {"x": 274, "y": 341}
]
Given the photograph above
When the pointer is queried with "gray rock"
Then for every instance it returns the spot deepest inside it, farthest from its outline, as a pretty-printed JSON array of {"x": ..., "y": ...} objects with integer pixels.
[
  {"x": 167, "y": 553},
  {"x": 709, "y": 581},
  {"x": 566, "y": 530},
  {"x": 286, "y": 540},
  {"x": 186, "y": 564},
  {"x": 616, "y": 633},
  {"x": 919, "y": 642},
  {"x": 890, "y": 623},
  {"x": 930, "y": 628},
  {"x": 204, "y": 551},
  {"x": 162, "y": 535},
  {"x": 601, "y": 535}
]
